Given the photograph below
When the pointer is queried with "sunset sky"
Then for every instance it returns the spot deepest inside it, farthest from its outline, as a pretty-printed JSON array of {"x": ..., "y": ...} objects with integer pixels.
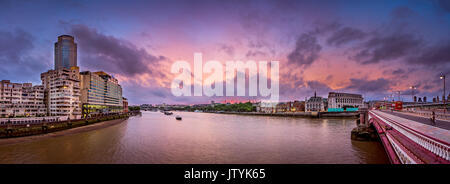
[{"x": 374, "y": 47}]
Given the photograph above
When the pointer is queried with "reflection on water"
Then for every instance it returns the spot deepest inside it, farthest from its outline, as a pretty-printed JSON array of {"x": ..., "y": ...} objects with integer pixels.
[{"x": 204, "y": 138}]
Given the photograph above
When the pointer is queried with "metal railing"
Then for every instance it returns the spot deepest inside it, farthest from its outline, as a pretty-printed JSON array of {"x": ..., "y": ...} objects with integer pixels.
[
  {"x": 434, "y": 145},
  {"x": 428, "y": 114}
]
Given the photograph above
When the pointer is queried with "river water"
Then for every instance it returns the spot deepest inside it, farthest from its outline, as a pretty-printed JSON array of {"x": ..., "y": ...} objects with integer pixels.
[{"x": 204, "y": 138}]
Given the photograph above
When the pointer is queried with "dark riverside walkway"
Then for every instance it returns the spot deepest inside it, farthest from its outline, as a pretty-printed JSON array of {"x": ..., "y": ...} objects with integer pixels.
[{"x": 427, "y": 121}]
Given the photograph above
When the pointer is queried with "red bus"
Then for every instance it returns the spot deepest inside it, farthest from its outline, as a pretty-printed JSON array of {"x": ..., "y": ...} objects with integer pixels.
[{"x": 398, "y": 105}]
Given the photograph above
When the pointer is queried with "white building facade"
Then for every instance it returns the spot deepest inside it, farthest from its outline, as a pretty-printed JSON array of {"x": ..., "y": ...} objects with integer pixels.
[
  {"x": 62, "y": 92},
  {"x": 315, "y": 104},
  {"x": 343, "y": 100},
  {"x": 21, "y": 100}
]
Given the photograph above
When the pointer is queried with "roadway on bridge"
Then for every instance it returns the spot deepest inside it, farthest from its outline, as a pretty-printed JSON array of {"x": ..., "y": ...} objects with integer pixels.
[{"x": 423, "y": 120}]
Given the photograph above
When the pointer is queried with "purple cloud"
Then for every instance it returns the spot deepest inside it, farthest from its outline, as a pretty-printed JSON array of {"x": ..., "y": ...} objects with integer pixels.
[
  {"x": 345, "y": 35},
  {"x": 112, "y": 54},
  {"x": 437, "y": 55},
  {"x": 14, "y": 44},
  {"x": 369, "y": 86},
  {"x": 16, "y": 57},
  {"x": 320, "y": 87},
  {"x": 445, "y": 5},
  {"x": 402, "y": 12},
  {"x": 306, "y": 51},
  {"x": 382, "y": 48}
]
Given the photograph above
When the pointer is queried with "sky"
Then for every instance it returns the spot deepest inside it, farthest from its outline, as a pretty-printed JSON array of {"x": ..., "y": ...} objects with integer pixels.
[{"x": 372, "y": 47}]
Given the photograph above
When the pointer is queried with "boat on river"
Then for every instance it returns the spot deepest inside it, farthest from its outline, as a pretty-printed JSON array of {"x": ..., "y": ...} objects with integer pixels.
[{"x": 178, "y": 117}]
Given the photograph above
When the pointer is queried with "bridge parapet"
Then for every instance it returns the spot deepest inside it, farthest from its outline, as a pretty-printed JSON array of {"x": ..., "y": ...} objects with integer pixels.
[
  {"x": 438, "y": 115},
  {"x": 432, "y": 148}
]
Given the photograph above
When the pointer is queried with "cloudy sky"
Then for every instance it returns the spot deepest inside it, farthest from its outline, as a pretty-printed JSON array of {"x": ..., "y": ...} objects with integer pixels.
[{"x": 375, "y": 48}]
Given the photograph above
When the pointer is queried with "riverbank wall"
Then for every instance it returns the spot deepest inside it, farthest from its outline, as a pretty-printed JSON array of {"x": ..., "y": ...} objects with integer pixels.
[
  {"x": 300, "y": 114},
  {"x": 21, "y": 130}
]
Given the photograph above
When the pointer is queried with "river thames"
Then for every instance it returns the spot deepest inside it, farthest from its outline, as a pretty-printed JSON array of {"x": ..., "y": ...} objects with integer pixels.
[{"x": 204, "y": 138}]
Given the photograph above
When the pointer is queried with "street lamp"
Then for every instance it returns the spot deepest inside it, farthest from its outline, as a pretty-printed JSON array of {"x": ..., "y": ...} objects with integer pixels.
[
  {"x": 412, "y": 91},
  {"x": 443, "y": 99}
]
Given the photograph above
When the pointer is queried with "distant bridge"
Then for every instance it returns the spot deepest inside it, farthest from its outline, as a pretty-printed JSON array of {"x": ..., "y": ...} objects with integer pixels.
[{"x": 411, "y": 141}]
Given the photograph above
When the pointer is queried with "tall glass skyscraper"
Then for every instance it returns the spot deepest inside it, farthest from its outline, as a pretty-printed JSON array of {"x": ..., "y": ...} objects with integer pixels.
[{"x": 65, "y": 52}]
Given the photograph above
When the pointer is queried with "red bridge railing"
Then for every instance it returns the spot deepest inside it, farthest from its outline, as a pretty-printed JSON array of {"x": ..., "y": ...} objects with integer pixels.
[{"x": 410, "y": 145}]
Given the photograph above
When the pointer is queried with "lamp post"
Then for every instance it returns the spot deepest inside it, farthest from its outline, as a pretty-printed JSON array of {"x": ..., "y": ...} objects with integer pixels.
[
  {"x": 412, "y": 92},
  {"x": 443, "y": 99}
]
